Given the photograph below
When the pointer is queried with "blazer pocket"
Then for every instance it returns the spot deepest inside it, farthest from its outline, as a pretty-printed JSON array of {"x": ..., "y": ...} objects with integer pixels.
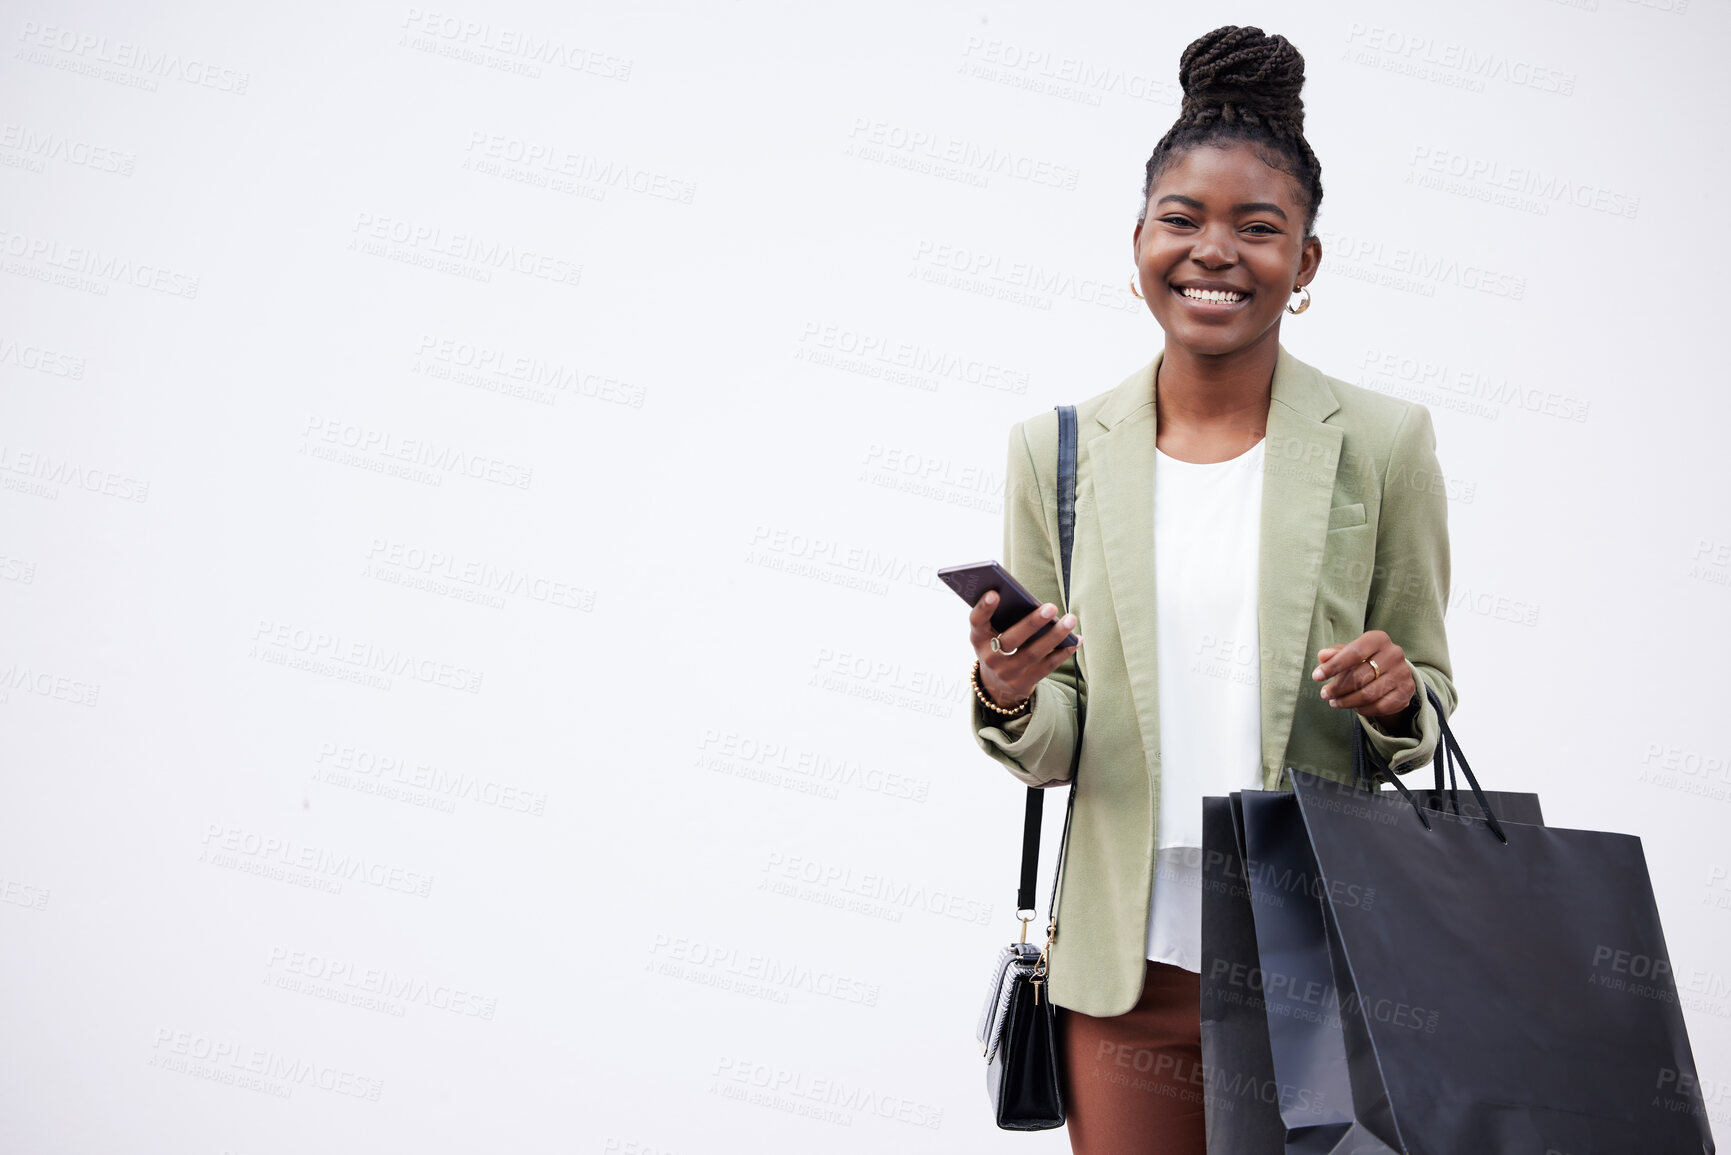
[{"x": 1346, "y": 516}]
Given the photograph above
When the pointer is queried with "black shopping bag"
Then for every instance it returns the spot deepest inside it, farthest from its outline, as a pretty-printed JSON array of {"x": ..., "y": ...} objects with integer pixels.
[
  {"x": 1274, "y": 1050},
  {"x": 1306, "y": 1013},
  {"x": 1241, "y": 1094},
  {"x": 1509, "y": 989}
]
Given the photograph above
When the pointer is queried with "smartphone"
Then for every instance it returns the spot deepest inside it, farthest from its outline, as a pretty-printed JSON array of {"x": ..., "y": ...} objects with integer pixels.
[{"x": 1014, "y": 603}]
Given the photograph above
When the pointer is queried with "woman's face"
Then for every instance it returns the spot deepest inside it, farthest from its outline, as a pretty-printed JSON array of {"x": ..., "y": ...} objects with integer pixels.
[{"x": 1220, "y": 250}]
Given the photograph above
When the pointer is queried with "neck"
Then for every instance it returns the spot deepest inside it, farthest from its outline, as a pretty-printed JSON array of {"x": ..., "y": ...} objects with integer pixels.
[{"x": 1213, "y": 391}]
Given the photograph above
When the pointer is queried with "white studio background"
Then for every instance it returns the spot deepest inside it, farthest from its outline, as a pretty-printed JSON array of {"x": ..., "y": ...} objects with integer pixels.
[{"x": 471, "y": 671}]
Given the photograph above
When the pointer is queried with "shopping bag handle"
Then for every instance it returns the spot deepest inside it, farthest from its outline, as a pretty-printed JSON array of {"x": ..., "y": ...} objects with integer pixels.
[{"x": 1368, "y": 766}]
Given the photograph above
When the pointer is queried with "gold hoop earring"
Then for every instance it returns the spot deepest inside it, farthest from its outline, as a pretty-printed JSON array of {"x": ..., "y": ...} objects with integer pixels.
[
  {"x": 1302, "y": 305},
  {"x": 1134, "y": 289}
]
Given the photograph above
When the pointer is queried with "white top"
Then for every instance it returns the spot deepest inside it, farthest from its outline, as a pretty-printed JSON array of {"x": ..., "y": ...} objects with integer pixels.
[{"x": 1207, "y": 526}]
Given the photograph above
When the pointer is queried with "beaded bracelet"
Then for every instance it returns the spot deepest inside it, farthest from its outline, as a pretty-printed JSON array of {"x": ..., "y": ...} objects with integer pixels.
[{"x": 986, "y": 701}]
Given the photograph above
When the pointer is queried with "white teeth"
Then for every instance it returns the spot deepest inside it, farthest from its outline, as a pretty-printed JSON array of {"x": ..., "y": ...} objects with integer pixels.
[{"x": 1220, "y": 296}]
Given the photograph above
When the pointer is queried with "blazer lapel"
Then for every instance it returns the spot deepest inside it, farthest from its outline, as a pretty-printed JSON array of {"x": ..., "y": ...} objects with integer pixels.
[
  {"x": 1122, "y": 469},
  {"x": 1301, "y": 456}
]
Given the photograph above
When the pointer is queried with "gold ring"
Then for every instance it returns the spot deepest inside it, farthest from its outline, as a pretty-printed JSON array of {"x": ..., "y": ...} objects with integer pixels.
[
  {"x": 1376, "y": 669},
  {"x": 998, "y": 648}
]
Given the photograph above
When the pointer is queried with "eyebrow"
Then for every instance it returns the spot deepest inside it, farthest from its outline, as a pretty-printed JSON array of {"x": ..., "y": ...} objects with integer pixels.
[{"x": 1249, "y": 207}]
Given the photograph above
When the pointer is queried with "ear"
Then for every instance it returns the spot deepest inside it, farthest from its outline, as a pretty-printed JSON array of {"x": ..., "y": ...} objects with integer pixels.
[
  {"x": 1136, "y": 244},
  {"x": 1309, "y": 258}
]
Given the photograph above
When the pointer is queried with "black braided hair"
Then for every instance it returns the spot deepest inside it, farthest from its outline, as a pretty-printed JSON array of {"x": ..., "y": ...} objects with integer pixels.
[{"x": 1242, "y": 85}]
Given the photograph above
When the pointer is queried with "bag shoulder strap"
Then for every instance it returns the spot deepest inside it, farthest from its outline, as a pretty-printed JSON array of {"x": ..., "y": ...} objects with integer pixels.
[
  {"x": 1066, "y": 490},
  {"x": 1035, "y": 808}
]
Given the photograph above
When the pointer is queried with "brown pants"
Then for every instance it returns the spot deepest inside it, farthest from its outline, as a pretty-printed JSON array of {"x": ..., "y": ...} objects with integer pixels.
[{"x": 1133, "y": 1083}]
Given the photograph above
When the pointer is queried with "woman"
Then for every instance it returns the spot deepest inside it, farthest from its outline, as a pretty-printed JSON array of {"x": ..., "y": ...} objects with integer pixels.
[{"x": 1261, "y": 565}]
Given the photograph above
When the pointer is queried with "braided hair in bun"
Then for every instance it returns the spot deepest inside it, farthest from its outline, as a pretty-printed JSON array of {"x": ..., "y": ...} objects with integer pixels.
[{"x": 1242, "y": 85}]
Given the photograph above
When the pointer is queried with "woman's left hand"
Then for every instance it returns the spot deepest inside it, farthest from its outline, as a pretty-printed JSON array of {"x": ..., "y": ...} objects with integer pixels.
[{"x": 1353, "y": 683}]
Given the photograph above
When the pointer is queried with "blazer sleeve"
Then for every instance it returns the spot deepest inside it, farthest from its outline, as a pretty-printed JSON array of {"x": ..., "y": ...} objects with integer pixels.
[
  {"x": 1409, "y": 593},
  {"x": 1035, "y": 747}
]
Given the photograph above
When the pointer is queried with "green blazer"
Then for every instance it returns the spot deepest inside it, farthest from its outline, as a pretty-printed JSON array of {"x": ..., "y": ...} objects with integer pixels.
[{"x": 1354, "y": 537}]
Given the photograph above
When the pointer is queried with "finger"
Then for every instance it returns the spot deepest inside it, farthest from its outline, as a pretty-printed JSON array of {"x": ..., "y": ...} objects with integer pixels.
[
  {"x": 1390, "y": 669},
  {"x": 1343, "y": 659},
  {"x": 1050, "y": 645},
  {"x": 1348, "y": 681},
  {"x": 1335, "y": 660},
  {"x": 980, "y": 619},
  {"x": 1356, "y": 697},
  {"x": 1387, "y": 662},
  {"x": 1364, "y": 682},
  {"x": 1366, "y": 645},
  {"x": 1373, "y": 692},
  {"x": 982, "y": 632},
  {"x": 1012, "y": 638}
]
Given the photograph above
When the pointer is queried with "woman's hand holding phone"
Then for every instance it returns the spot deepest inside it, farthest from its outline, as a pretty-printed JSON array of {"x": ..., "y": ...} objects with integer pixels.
[{"x": 1010, "y": 673}]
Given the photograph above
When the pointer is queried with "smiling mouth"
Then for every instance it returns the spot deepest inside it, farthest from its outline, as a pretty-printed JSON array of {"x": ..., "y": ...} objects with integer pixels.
[{"x": 1213, "y": 296}]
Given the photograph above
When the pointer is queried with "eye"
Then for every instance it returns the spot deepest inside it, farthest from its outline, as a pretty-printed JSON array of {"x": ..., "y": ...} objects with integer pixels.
[
  {"x": 1260, "y": 229},
  {"x": 1177, "y": 219}
]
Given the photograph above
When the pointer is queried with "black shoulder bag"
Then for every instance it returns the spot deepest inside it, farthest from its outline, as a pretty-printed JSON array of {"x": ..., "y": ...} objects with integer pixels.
[{"x": 1017, "y": 1031}]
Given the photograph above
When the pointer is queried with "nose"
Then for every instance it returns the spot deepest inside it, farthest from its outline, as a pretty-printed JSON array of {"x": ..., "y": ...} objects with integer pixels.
[{"x": 1214, "y": 246}]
